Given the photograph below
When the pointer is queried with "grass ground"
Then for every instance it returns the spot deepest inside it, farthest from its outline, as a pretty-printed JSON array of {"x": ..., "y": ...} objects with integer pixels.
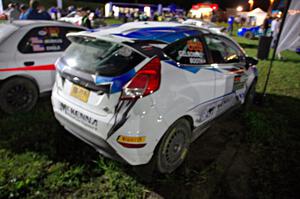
[{"x": 253, "y": 155}]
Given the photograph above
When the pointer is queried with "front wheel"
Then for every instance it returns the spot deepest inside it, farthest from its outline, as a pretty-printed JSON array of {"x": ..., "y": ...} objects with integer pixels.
[
  {"x": 173, "y": 147},
  {"x": 18, "y": 95}
]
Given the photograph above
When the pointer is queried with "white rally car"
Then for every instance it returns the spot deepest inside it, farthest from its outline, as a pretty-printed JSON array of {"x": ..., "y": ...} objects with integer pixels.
[
  {"x": 143, "y": 91},
  {"x": 28, "y": 51}
]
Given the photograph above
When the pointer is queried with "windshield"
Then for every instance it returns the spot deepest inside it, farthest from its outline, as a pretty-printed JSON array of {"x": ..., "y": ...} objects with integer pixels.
[
  {"x": 6, "y": 30},
  {"x": 101, "y": 57}
]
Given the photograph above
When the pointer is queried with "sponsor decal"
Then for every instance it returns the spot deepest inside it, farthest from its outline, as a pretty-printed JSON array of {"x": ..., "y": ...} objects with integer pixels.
[
  {"x": 36, "y": 40},
  {"x": 193, "y": 52},
  {"x": 42, "y": 33},
  {"x": 183, "y": 53},
  {"x": 239, "y": 82},
  {"x": 53, "y": 41},
  {"x": 80, "y": 117},
  {"x": 53, "y": 48},
  {"x": 53, "y": 32},
  {"x": 38, "y": 48},
  {"x": 194, "y": 45}
]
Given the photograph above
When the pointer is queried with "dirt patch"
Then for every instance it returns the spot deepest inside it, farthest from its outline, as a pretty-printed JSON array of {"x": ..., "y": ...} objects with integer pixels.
[{"x": 217, "y": 166}]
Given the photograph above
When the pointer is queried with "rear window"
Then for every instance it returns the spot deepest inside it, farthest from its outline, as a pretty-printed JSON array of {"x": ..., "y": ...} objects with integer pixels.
[
  {"x": 6, "y": 30},
  {"x": 101, "y": 57}
]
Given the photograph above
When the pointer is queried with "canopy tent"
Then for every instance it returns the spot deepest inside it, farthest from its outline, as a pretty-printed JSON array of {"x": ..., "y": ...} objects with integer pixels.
[
  {"x": 290, "y": 35},
  {"x": 1, "y": 6},
  {"x": 259, "y": 15}
]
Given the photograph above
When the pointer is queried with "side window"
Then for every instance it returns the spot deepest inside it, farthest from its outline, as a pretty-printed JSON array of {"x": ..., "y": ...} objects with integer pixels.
[
  {"x": 223, "y": 50},
  {"x": 189, "y": 51},
  {"x": 45, "y": 39}
]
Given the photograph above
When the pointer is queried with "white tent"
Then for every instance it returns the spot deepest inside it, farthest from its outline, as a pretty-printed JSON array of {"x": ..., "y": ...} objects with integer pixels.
[
  {"x": 259, "y": 15},
  {"x": 1, "y": 6},
  {"x": 290, "y": 37}
]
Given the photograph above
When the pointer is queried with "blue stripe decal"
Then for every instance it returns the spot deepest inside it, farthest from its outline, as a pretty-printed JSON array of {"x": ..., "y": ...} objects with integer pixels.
[
  {"x": 211, "y": 100},
  {"x": 193, "y": 69},
  {"x": 117, "y": 82},
  {"x": 214, "y": 69},
  {"x": 166, "y": 34}
]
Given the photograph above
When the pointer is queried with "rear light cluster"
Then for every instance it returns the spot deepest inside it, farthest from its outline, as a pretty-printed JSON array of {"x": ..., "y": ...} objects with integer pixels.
[{"x": 145, "y": 82}]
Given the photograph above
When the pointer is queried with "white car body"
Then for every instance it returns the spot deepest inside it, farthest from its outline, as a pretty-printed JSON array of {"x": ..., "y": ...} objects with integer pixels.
[
  {"x": 198, "y": 93},
  {"x": 211, "y": 26},
  {"x": 38, "y": 66},
  {"x": 72, "y": 18}
]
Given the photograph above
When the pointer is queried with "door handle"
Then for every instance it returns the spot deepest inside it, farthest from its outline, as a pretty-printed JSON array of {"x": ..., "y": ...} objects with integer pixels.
[{"x": 29, "y": 63}]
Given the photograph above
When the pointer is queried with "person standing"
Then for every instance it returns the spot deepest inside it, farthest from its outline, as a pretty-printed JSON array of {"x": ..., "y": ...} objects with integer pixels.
[
  {"x": 85, "y": 21},
  {"x": 274, "y": 25},
  {"x": 13, "y": 12},
  {"x": 266, "y": 25},
  {"x": 230, "y": 25},
  {"x": 23, "y": 9},
  {"x": 34, "y": 13}
]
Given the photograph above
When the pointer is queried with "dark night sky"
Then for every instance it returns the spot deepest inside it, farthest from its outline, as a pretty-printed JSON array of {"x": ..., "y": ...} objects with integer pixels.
[{"x": 188, "y": 3}]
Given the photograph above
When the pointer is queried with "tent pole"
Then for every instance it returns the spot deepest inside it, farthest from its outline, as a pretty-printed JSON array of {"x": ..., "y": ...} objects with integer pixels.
[{"x": 275, "y": 47}]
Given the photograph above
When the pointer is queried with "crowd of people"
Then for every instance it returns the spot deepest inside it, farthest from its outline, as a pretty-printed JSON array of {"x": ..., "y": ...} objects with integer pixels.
[{"x": 35, "y": 10}]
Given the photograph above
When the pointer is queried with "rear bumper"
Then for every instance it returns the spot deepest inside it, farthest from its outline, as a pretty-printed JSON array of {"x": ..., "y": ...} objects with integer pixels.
[
  {"x": 142, "y": 121},
  {"x": 95, "y": 141}
]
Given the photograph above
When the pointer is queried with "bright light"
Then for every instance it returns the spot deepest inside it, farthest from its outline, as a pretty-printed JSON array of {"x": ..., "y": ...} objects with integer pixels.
[
  {"x": 251, "y": 3},
  {"x": 239, "y": 9},
  {"x": 147, "y": 11}
]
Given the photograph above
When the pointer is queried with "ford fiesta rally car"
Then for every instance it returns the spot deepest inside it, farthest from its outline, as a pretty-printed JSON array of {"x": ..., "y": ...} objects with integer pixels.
[
  {"x": 28, "y": 51},
  {"x": 142, "y": 92}
]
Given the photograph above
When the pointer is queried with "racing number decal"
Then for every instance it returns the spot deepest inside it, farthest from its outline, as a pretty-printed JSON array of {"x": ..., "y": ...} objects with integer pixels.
[
  {"x": 195, "y": 46},
  {"x": 192, "y": 53}
]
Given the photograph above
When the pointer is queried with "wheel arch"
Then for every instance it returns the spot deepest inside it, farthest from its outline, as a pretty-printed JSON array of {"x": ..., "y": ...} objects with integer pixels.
[{"x": 22, "y": 76}]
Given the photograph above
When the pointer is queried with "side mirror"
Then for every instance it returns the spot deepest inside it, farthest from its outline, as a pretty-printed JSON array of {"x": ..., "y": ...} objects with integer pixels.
[{"x": 251, "y": 61}]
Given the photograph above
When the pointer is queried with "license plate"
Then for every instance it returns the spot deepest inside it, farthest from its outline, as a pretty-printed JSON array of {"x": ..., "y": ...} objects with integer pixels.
[{"x": 80, "y": 93}]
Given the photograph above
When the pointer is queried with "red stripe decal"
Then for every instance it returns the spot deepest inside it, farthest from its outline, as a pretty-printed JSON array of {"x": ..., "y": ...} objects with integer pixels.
[{"x": 29, "y": 68}]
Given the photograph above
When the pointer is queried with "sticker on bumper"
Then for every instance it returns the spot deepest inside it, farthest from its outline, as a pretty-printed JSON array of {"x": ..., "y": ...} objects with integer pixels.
[{"x": 80, "y": 117}]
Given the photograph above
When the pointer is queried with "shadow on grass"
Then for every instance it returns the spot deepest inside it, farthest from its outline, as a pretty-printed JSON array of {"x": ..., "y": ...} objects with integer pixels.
[
  {"x": 254, "y": 156},
  {"x": 237, "y": 158},
  {"x": 38, "y": 131}
]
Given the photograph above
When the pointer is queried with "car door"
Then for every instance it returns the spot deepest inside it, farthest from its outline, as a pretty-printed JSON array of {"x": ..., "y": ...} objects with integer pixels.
[
  {"x": 229, "y": 63},
  {"x": 195, "y": 79},
  {"x": 38, "y": 50}
]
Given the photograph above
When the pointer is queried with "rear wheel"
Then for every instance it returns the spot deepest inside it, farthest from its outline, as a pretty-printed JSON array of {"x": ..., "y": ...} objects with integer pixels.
[
  {"x": 18, "y": 95},
  {"x": 249, "y": 35},
  {"x": 174, "y": 146}
]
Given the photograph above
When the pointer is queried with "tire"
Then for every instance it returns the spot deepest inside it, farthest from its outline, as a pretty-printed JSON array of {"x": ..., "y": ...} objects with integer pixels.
[
  {"x": 250, "y": 97},
  {"x": 173, "y": 147},
  {"x": 18, "y": 94},
  {"x": 249, "y": 35}
]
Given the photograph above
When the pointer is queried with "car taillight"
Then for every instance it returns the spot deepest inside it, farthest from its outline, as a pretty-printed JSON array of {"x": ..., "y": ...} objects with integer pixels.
[{"x": 145, "y": 82}]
